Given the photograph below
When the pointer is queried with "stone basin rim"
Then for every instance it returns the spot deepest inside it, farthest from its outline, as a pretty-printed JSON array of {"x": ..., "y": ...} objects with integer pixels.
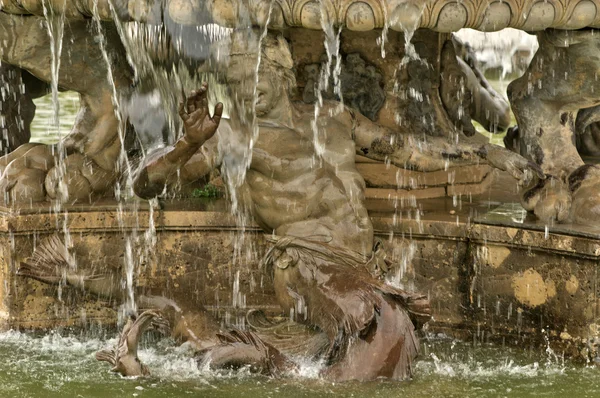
[
  {"x": 355, "y": 15},
  {"x": 559, "y": 242}
]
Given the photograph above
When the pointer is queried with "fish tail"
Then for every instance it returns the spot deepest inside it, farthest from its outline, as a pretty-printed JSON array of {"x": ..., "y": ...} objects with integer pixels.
[{"x": 48, "y": 262}]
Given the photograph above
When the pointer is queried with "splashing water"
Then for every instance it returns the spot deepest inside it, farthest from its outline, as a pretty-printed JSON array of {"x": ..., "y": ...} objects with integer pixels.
[
  {"x": 404, "y": 278},
  {"x": 61, "y": 365}
]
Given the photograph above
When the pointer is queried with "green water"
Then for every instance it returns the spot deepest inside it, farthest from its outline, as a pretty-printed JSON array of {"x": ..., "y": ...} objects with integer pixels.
[
  {"x": 56, "y": 366},
  {"x": 43, "y": 128}
]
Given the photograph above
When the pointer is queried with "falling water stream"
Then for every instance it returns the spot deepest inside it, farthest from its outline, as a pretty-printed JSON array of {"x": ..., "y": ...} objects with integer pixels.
[
  {"x": 328, "y": 71},
  {"x": 55, "y": 25}
]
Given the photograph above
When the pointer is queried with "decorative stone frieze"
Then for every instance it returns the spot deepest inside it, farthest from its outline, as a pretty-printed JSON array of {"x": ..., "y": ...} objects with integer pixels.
[{"x": 356, "y": 15}]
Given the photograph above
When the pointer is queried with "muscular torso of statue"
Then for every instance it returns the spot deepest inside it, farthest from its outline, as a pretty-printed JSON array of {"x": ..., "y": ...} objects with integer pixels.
[
  {"x": 295, "y": 193},
  {"x": 289, "y": 189}
]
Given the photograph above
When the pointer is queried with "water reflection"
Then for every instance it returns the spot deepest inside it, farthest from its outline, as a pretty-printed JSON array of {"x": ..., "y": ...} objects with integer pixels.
[{"x": 58, "y": 366}]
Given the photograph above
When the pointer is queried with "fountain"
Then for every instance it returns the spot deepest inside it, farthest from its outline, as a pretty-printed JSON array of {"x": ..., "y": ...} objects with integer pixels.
[{"x": 346, "y": 142}]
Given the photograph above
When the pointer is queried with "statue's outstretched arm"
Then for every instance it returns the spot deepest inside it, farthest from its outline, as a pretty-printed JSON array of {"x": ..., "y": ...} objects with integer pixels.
[
  {"x": 435, "y": 153},
  {"x": 191, "y": 157},
  {"x": 397, "y": 147}
]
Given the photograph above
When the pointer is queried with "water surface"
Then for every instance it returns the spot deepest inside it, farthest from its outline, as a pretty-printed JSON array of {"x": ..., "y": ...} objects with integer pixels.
[{"x": 63, "y": 366}]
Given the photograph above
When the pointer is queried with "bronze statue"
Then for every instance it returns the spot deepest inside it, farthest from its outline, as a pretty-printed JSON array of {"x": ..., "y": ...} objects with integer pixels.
[
  {"x": 314, "y": 200},
  {"x": 356, "y": 315},
  {"x": 314, "y": 207}
]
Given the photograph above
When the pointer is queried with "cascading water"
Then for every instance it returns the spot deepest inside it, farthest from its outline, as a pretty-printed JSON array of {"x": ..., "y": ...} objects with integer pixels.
[
  {"x": 179, "y": 48},
  {"x": 168, "y": 82},
  {"x": 332, "y": 50},
  {"x": 238, "y": 147},
  {"x": 123, "y": 186},
  {"x": 55, "y": 25}
]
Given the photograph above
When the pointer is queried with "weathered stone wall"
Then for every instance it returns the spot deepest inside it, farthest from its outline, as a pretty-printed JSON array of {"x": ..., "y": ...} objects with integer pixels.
[
  {"x": 524, "y": 282},
  {"x": 485, "y": 282},
  {"x": 191, "y": 262}
]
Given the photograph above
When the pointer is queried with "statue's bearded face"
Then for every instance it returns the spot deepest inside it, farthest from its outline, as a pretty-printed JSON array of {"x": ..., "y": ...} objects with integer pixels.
[{"x": 241, "y": 83}]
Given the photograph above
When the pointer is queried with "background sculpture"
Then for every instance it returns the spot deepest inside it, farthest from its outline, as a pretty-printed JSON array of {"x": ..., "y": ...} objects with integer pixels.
[
  {"x": 96, "y": 141},
  {"x": 92, "y": 148}
]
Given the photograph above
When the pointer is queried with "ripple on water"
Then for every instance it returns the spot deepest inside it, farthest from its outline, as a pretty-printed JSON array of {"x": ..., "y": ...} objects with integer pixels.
[{"x": 58, "y": 365}]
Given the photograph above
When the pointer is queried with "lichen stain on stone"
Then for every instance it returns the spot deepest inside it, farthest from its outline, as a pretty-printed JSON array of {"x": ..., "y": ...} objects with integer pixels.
[
  {"x": 526, "y": 238},
  {"x": 589, "y": 312},
  {"x": 572, "y": 285},
  {"x": 530, "y": 288},
  {"x": 550, "y": 288},
  {"x": 497, "y": 255}
]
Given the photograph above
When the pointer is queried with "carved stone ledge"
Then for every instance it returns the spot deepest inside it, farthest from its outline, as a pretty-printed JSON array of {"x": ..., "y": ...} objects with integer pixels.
[
  {"x": 439, "y": 15},
  {"x": 356, "y": 15}
]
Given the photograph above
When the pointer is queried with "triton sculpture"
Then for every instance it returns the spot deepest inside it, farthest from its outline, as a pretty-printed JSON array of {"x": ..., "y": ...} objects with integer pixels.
[{"x": 301, "y": 184}]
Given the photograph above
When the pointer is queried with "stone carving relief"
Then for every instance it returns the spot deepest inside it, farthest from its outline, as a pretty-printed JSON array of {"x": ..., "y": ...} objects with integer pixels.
[
  {"x": 442, "y": 16},
  {"x": 361, "y": 85},
  {"x": 363, "y": 15}
]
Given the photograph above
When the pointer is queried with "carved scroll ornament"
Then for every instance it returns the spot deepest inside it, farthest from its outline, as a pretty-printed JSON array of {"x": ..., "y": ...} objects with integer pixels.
[{"x": 357, "y": 15}]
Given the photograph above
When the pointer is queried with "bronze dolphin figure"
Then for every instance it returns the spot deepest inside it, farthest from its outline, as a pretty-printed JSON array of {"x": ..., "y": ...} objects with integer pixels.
[
  {"x": 123, "y": 357},
  {"x": 362, "y": 328},
  {"x": 370, "y": 326}
]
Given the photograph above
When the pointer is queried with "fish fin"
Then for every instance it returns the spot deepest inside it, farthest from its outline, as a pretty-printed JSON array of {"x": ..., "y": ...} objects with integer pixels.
[
  {"x": 53, "y": 251},
  {"x": 232, "y": 336},
  {"x": 47, "y": 261},
  {"x": 107, "y": 355},
  {"x": 410, "y": 350},
  {"x": 240, "y": 348},
  {"x": 131, "y": 336},
  {"x": 39, "y": 272}
]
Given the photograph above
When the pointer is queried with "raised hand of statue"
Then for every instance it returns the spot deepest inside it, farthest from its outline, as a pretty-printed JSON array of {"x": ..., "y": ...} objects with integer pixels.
[{"x": 198, "y": 125}]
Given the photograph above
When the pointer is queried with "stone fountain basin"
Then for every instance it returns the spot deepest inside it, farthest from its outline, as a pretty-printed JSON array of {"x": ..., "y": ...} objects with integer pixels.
[
  {"x": 356, "y": 15},
  {"x": 490, "y": 275}
]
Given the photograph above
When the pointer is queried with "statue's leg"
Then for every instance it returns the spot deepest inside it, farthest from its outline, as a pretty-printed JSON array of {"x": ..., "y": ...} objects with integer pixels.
[
  {"x": 93, "y": 146},
  {"x": 560, "y": 80}
]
